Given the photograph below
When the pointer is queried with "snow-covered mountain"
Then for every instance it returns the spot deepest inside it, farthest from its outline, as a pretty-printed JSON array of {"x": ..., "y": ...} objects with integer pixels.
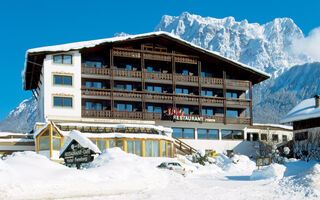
[
  {"x": 266, "y": 47},
  {"x": 22, "y": 118}
]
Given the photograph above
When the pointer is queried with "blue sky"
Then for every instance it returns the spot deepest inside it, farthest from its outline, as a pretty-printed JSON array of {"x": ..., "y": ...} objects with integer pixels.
[{"x": 35, "y": 23}]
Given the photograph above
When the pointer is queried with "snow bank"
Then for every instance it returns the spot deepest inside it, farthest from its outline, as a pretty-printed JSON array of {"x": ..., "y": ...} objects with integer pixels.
[
  {"x": 238, "y": 163},
  {"x": 275, "y": 171}
]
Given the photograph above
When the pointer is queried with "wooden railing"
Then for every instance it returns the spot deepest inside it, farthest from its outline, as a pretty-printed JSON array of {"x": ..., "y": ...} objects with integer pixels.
[
  {"x": 164, "y": 76},
  {"x": 161, "y": 56},
  {"x": 96, "y": 113},
  {"x": 183, "y": 147},
  {"x": 165, "y": 97},
  {"x": 238, "y": 120}
]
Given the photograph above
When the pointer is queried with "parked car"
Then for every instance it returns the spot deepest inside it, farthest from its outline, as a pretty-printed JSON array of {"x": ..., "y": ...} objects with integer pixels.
[{"x": 176, "y": 167}]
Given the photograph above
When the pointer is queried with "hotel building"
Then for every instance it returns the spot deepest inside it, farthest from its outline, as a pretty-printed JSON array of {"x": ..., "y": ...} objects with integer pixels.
[{"x": 153, "y": 79}]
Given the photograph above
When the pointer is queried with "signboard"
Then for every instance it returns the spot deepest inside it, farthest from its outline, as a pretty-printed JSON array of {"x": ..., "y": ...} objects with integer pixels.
[
  {"x": 263, "y": 161},
  {"x": 178, "y": 115},
  {"x": 76, "y": 154}
]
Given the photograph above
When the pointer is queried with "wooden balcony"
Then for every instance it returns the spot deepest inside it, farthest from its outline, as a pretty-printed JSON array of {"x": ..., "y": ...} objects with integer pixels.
[
  {"x": 158, "y": 76},
  {"x": 95, "y": 71},
  {"x": 165, "y": 97},
  {"x": 150, "y": 55},
  {"x": 238, "y": 120}
]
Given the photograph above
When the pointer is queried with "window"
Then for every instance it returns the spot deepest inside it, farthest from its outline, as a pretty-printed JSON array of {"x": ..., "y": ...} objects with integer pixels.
[
  {"x": 284, "y": 138},
  {"x": 130, "y": 146},
  {"x": 62, "y": 102},
  {"x": 207, "y": 111},
  {"x": 124, "y": 107},
  {"x": 155, "y": 148},
  {"x": 183, "y": 132},
  {"x": 44, "y": 143},
  {"x": 208, "y": 134},
  {"x": 96, "y": 64},
  {"x": 137, "y": 147},
  {"x": 264, "y": 137},
  {"x": 62, "y": 59},
  {"x": 56, "y": 143},
  {"x": 232, "y": 95},
  {"x": 148, "y": 147},
  {"x": 231, "y": 134},
  {"x": 301, "y": 136},
  {"x": 101, "y": 145},
  {"x": 156, "y": 109},
  {"x": 154, "y": 88},
  {"x": 182, "y": 91},
  {"x": 232, "y": 113},
  {"x": 62, "y": 80},
  {"x": 275, "y": 137},
  {"x": 123, "y": 86},
  {"x": 163, "y": 149},
  {"x": 112, "y": 143},
  {"x": 207, "y": 93},
  {"x": 120, "y": 144}
]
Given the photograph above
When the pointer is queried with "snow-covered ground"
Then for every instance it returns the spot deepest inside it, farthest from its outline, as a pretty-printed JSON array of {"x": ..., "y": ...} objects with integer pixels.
[{"x": 118, "y": 175}]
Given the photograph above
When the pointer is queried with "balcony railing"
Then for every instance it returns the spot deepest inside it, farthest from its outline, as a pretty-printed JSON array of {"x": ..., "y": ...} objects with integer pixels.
[
  {"x": 138, "y": 115},
  {"x": 160, "y": 56},
  {"x": 155, "y": 76},
  {"x": 165, "y": 97}
]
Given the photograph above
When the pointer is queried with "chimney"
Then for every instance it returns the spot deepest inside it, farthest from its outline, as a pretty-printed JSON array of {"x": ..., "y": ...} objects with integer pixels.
[{"x": 317, "y": 99}]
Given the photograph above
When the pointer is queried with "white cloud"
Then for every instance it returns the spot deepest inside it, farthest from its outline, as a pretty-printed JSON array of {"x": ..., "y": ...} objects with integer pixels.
[{"x": 309, "y": 45}]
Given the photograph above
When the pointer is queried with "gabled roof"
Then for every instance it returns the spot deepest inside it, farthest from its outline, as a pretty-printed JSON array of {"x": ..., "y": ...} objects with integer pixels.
[
  {"x": 39, "y": 53},
  {"x": 304, "y": 110},
  {"x": 81, "y": 139}
]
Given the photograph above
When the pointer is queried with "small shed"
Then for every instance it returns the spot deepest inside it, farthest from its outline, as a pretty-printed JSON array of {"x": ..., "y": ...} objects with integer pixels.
[{"x": 78, "y": 150}]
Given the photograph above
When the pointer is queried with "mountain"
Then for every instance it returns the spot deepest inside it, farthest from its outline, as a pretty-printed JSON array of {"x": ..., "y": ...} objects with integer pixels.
[
  {"x": 266, "y": 47},
  {"x": 22, "y": 118},
  {"x": 280, "y": 94}
]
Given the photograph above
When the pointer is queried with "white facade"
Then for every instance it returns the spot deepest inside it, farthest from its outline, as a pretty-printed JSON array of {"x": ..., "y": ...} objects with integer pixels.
[{"x": 48, "y": 90}]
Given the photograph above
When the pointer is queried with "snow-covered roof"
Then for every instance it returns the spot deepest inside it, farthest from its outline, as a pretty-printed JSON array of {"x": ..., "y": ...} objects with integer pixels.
[
  {"x": 127, "y": 135},
  {"x": 273, "y": 125},
  {"x": 93, "y": 43},
  {"x": 166, "y": 130},
  {"x": 4, "y": 134},
  {"x": 304, "y": 110},
  {"x": 81, "y": 139},
  {"x": 16, "y": 140},
  {"x": 37, "y": 132}
]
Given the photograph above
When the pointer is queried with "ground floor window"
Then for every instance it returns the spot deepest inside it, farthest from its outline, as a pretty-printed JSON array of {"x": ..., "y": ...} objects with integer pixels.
[
  {"x": 232, "y": 134},
  {"x": 252, "y": 136},
  {"x": 275, "y": 138},
  {"x": 183, "y": 132},
  {"x": 284, "y": 138},
  {"x": 264, "y": 137},
  {"x": 208, "y": 134}
]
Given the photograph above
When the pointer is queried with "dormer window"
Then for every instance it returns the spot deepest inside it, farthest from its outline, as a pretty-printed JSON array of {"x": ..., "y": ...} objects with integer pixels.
[{"x": 62, "y": 59}]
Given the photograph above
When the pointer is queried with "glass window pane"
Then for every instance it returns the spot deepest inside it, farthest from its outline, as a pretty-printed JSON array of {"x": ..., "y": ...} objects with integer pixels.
[
  {"x": 178, "y": 90},
  {"x": 169, "y": 150},
  {"x": 97, "y": 64},
  {"x": 128, "y": 87},
  {"x": 67, "y": 80},
  {"x": 55, "y": 134},
  {"x": 209, "y": 93},
  {"x": 203, "y": 74},
  {"x": 228, "y": 95},
  {"x": 149, "y": 69},
  {"x": 157, "y": 109},
  {"x": 155, "y": 148},
  {"x": 232, "y": 113},
  {"x": 129, "y": 107},
  {"x": 67, "y": 102},
  {"x": 120, "y": 87},
  {"x": 56, "y": 143},
  {"x": 137, "y": 147},
  {"x": 57, "y": 101},
  {"x": 150, "y": 108},
  {"x": 94, "y": 141},
  {"x": 88, "y": 105},
  {"x": 130, "y": 147},
  {"x": 148, "y": 148},
  {"x": 44, "y": 143},
  {"x": 57, "y": 79},
  {"x": 98, "y": 106},
  {"x": 128, "y": 67},
  {"x": 185, "y": 91},
  {"x": 149, "y": 88},
  {"x": 120, "y": 144},
  {"x": 121, "y": 107},
  {"x": 157, "y": 89},
  {"x": 112, "y": 143},
  {"x": 188, "y": 133},
  {"x": 88, "y": 84},
  {"x": 67, "y": 59},
  {"x": 210, "y": 112},
  {"x": 88, "y": 64},
  {"x": 57, "y": 59},
  {"x": 213, "y": 134},
  {"x": 204, "y": 111},
  {"x": 177, "y": 132},
  {"x": 202, "y": 133},
  {"x": 186, "y": 111},
  {"x": 46, "y": 133},
  {"x": 226, "y": 134},
  {"x": 237, "y": 134},
  {"x": 101, "y": 144},
  {"x": 185, "y": 72},
  {"x": 203, "y": 93},
  {"x": 163, "y": 149},
  {"x": 97, "y": 84}
]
